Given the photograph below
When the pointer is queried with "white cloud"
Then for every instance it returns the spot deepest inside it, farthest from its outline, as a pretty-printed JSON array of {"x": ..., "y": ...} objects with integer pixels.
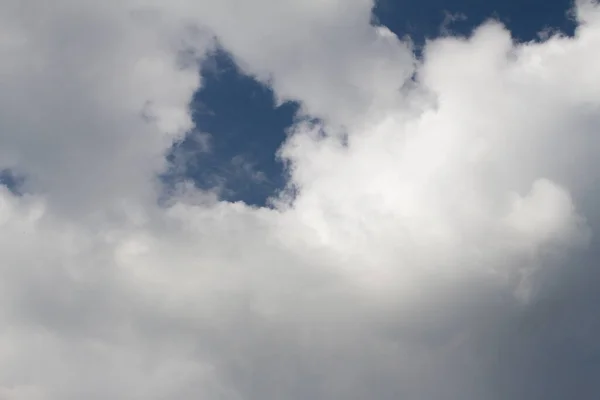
[
  {"x": 76, "y": 78},
  {"x": 445, "y": 251}
]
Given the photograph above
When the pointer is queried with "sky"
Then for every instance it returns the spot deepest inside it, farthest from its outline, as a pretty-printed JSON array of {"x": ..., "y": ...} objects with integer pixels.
[
  {"x": 248, "y": 127},
  {"x": 282, "y": 199}
]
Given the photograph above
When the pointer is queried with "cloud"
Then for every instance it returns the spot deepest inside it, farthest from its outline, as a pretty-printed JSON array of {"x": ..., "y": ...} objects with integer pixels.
[
  {"x": 76, "y": 80},
  {"x": 439, "y": 244}
]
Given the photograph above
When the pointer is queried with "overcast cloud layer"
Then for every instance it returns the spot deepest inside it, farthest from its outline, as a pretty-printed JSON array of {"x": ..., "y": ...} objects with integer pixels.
[{"x": 441, "y": 243}]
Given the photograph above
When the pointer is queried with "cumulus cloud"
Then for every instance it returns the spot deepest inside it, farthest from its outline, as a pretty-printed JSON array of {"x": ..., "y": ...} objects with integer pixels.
[
  {"x": 436, "y": 241},
  {"x": 93, "y": 93}
]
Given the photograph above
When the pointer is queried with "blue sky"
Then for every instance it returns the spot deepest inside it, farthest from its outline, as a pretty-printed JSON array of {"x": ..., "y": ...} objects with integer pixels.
[
  {"x": 8, "y": 179},
  {"x": 246, "y": 128}
]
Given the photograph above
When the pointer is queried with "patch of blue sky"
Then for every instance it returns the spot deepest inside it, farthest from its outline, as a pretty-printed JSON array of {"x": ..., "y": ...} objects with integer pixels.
[
  {"x": 11, "y": 180},
  {"x": 238, "y": 131},
  {"x": 526, "y": 19}
]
